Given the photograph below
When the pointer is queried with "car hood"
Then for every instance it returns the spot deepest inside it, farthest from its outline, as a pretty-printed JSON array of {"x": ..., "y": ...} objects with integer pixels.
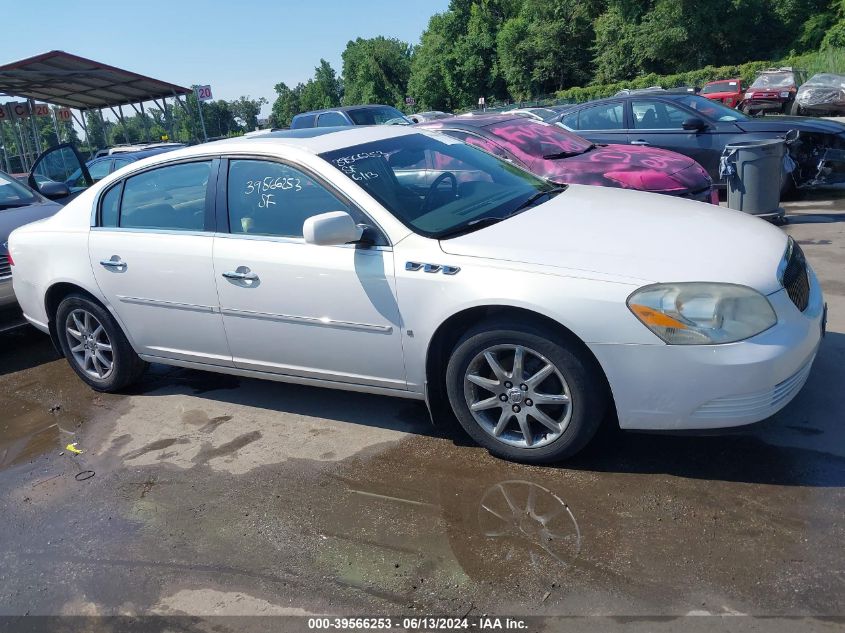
[
  {"x": 628, "y": 167},
  {"x": 10, "y": 219},
  {"x": 640, "y": 236},
  {"x": 786, "y": 123}
]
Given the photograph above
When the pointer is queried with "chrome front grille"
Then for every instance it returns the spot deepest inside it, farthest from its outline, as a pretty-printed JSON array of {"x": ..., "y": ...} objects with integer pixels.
[
  {"x": 5, "y": 268},
  {"x": 795, "y": 277}
]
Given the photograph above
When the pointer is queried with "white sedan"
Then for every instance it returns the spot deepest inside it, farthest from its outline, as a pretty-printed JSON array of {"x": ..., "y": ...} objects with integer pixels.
[{"x": 402, "y": 262}]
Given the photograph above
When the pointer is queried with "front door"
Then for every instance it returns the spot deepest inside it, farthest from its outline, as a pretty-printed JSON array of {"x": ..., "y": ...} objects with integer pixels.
[
  {"x": 151, "y": 253},
  {"x": 324, "y": 312}
]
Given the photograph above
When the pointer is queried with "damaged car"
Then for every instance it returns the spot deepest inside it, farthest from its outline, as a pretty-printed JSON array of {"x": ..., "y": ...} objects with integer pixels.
[
  {"x": 562, "y": 157},
  {"x": 773, "y": 91},
  {"x": 700, "y": 129},
  {"x": 822, "y": 95}
]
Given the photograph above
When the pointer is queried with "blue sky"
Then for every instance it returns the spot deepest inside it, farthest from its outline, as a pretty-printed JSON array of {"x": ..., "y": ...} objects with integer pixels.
[{"x": 240, "y": 47}]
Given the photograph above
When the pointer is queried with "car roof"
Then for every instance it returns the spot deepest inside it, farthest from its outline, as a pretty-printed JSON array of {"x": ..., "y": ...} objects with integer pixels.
[
  {"x": 660, "y": 94},
  {"x": 477, "y": 121},
  {"x": 368, "y": 106},
  {"x": 311, "y": 140}
]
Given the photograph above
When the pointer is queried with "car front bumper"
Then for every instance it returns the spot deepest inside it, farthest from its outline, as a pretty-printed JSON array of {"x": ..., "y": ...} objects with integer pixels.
[{"x": 676, "y": 387}]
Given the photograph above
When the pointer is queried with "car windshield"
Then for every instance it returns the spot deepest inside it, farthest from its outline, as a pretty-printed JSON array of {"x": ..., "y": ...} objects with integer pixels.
[
  {"x": 14, "y": 194},
  {"x": 712, "y": 109},
  {"x": 720, "y": 86},
  {"x": 439, "y": 186},
  {"x": 539, "y": 140},
  {"x": 384, "y": 115},
  {"x": 774, "y": 80}
]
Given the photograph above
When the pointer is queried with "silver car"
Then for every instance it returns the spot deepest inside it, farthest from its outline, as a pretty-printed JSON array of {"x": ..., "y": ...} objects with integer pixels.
[{"x": 19, "y": 205}]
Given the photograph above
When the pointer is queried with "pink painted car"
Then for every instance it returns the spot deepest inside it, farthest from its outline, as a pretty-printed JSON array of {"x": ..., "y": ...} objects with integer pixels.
[{"x": 563, "y": 157}]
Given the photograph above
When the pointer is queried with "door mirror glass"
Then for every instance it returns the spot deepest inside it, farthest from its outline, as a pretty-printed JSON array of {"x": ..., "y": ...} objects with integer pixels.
[
  {"x": 60, "y": 165},
  {"x": 694, "y": 123},
  {"x": 54, "y": 190},
  {"x": 334, "y": 227}
]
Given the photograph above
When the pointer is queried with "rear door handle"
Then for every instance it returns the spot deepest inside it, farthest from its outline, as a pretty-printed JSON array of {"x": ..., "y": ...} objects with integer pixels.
[
  {"x": 241, "y": 274},
  {"x": 115, "y": 263},
  {"x": 640, "y": 142}
]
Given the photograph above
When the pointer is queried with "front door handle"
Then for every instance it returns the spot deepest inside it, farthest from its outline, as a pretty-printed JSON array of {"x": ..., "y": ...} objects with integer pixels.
[
  {"x": 115, "y": 263},
  {"x": 640, "y": 142},
  {"x": 242, "y": 273}
]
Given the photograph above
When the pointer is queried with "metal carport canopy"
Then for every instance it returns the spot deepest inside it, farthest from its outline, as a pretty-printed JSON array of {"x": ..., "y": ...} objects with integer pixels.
[{"x": 76, "y": 82}]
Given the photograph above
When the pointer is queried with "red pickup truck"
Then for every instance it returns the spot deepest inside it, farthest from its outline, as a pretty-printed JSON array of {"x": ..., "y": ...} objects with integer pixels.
[{"x": 728, "y": 91}]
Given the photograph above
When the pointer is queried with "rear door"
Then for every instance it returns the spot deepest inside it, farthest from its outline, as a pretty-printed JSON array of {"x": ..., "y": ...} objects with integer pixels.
[{"x": 151, "y": 252}]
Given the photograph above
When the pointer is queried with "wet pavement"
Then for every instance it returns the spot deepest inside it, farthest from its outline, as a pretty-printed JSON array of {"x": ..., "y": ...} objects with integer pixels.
[{"x": 216, "y": 495}]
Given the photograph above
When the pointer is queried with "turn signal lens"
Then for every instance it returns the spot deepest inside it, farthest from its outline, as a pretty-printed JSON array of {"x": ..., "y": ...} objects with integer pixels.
[{"x": 702, "y": 313}]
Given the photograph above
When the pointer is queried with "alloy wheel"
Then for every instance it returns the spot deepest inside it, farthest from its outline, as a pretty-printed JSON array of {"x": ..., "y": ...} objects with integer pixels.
[
  {"x": 517, "y": 396},
  {"x": 89, "y": 344}
]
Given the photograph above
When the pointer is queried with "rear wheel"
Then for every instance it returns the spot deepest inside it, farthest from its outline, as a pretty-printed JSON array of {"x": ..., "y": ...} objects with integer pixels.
[
  {"x": 95, "y": 346},
  {"x": 523, "y": 395}
]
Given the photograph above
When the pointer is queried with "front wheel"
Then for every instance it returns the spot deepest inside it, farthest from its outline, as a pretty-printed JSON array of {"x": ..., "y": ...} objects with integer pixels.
[
  {"x": 95, "y": 346},
  {"x": 794, "y": 109},
  {"x": 524, "y": 396}
]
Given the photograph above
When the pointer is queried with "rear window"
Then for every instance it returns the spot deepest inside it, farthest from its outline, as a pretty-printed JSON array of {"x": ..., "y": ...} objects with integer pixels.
[{"x": 533, "y": 139}]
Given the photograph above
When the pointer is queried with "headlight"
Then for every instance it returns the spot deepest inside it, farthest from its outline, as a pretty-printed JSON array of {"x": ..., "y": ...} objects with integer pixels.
[
  {"x": 749, "y": 95},
  {"x": 784, "y": 94},
  {"x": 702, "y": 313}
]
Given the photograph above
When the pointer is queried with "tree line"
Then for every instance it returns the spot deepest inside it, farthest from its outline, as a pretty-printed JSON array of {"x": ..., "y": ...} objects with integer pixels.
[{"x": 518, "y": 49}]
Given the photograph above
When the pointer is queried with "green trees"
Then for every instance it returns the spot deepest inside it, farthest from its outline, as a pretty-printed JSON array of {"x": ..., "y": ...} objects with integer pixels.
[{"x": 376, "y": 70}]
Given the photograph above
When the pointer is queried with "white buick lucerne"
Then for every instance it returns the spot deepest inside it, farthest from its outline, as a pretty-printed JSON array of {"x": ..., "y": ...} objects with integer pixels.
[{"x": 402, "y": 262}]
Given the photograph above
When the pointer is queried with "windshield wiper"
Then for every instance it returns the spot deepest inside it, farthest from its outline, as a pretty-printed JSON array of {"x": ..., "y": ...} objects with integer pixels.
[
  {"x": 472, "y": 225},
  {"x": 480, "y": 223},
  {"x": 547, "y": 192},
  {"x": 589, "y": 148},
  {"x": 13, "y": 205}
]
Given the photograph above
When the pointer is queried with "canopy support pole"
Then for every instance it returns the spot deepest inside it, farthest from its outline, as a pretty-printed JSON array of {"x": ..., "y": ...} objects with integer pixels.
[{"x": 84, "y": 126}]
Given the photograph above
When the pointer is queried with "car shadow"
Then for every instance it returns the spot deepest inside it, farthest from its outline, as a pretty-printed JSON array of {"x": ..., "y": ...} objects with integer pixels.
[
  {"x": 24, "y": 348},
  {"x": 398, "y": 414}
]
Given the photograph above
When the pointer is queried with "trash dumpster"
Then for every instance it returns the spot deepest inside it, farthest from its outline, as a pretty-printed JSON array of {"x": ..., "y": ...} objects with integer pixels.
[{"x": 753, "y": 170}]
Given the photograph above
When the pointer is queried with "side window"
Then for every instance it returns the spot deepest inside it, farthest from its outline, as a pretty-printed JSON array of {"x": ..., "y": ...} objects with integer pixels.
[
  {"x": 331, "y": 119},
  {"x": 268, "y": 198},
  {"x": 607, "y": 116},
  {"x": 110, "y": 207},
  {"x": 570, "y": 121},
  {"x": 170, "y": 197},
  {"x": 120, "y": 162},
  {"x": 657, "y": 115},
  {"x": 99, "y": 170}
]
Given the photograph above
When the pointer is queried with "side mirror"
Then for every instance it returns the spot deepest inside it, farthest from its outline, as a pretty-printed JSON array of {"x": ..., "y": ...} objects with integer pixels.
[
  {"x": 694, "y": 123},
  {"x": 54, "y": 190},
  {"x": 334, "y": 227}
]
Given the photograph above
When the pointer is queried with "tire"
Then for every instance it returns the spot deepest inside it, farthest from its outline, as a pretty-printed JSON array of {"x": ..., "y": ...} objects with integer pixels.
[
  {"x": 746, "y": 110},
  {"x": 573, "y": 392},
  {"x": 95, "y": 346},
  {"x": 794, "y": 109}
]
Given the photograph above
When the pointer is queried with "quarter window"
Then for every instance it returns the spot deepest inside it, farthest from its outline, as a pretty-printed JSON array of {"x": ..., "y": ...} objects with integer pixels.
[
  {"x": 170, "y": 197},
  {"x": 110, "y": 207},
  {"x": 268, "y": 198},
  {"x": 99, "y": 170}
]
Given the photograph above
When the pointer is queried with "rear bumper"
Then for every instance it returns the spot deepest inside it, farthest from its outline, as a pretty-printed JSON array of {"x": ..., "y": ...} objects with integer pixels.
[{"x": 675, "y": 387}]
